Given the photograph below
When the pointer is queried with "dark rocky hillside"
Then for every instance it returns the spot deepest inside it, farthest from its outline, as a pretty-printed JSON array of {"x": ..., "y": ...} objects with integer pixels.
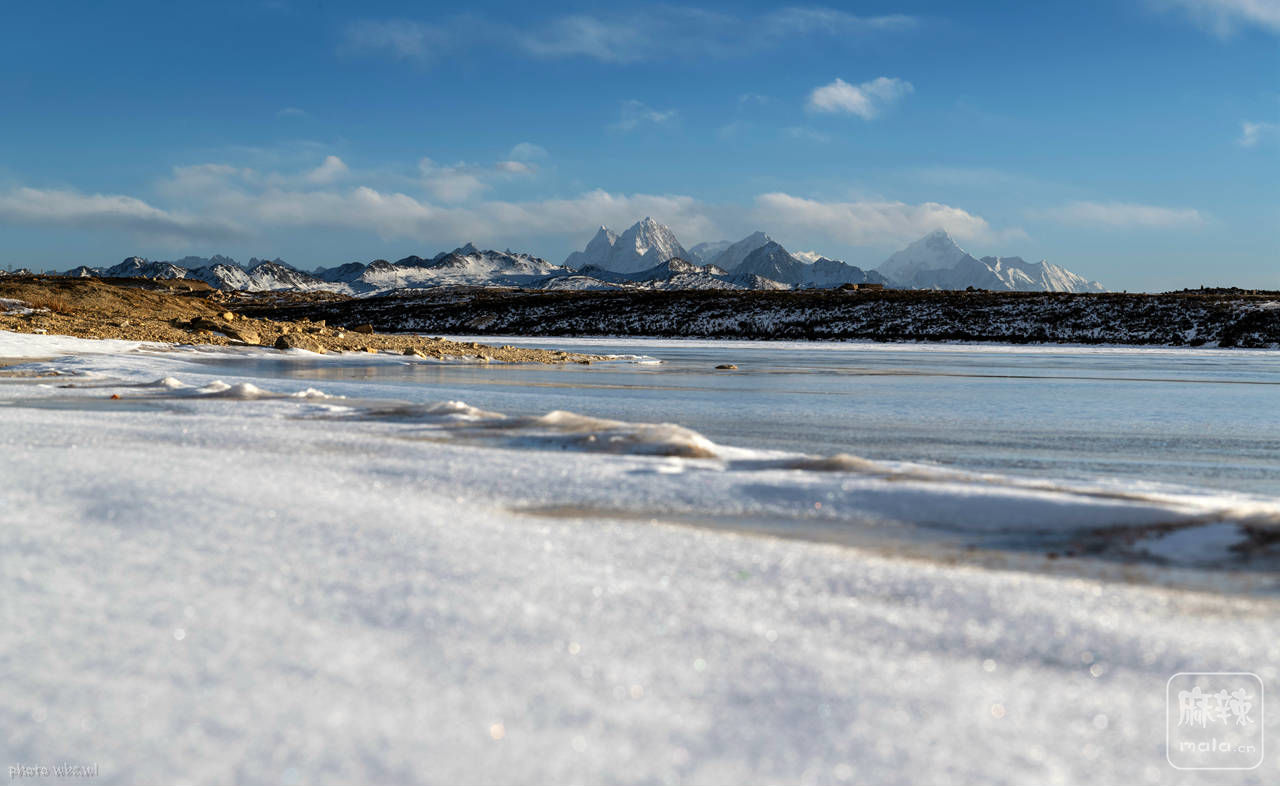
[{"x": 1228, "y": 318}]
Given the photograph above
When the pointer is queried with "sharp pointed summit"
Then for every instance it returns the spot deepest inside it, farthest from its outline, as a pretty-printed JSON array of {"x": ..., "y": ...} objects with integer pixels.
[
  {"x": 646, "y": 244},
  {"x": 731, "y": 257},
  {"x": 935, "y": 251},
  {"x": 935, "y": 261}
]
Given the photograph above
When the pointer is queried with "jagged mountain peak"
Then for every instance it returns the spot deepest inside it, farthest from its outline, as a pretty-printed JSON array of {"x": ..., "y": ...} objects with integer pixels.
[
  {"x": 935, "y": 261},
  {"x": 733, "y": 256},
  {"x": 935, "y": 251},
  {"x": 938, "y": 240},
  {"x": 648, "y": 231},
  {"x": 643, "y": 245}
]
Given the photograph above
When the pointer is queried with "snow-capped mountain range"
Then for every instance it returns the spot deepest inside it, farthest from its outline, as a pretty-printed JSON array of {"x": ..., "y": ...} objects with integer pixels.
[
  {"x": 936, "y": 262},
  {"x": 933, "y": 262},
  {"x": 755, "y": 262},
  {"x": 645, "y": 256},
  {"x": 465, "y": 266}
]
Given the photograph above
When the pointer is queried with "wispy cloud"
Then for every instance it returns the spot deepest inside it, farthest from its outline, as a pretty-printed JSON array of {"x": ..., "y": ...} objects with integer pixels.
[
  {"x": 401, "y": 39},
  {"x": 450, "y": 183},
  {"x": 71, "y": 209},
  {"x": 1253, "y": 133},
  {"x": 515, "y": 167},
  {"x": 462, "y": 182},
  {"x": 1121, "y": 215},
  {"x": 294, "y": 112},
  {"x": 1224, "y": 18},
  {"x": 683, "y": 32},
  {"x": 970, "y": 177},
  {"x": 658, "y": 32},
  {"x": 815, "y": 19},
  {"x": 864, "y": 223},
  {"x": 865, "y": 100},
  {"x": 527, "y": 151},
  {"x": 634, "y": 113},
  {"x": 806, "y": 134}
]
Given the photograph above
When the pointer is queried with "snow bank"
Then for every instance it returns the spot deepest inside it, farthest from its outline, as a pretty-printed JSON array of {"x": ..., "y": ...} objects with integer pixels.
[
  {"x": 11, "y": 306},
  {"x": 28, "y": 345}
]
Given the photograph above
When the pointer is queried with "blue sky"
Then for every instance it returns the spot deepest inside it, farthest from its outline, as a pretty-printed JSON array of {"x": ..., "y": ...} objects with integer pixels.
[{"x": 1136, "y": 142}]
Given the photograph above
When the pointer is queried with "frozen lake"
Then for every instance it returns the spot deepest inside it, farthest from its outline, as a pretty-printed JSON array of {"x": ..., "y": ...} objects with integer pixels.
[
  {"x": 1208, "y": 419},
  {"x": 242, "y": 565}
]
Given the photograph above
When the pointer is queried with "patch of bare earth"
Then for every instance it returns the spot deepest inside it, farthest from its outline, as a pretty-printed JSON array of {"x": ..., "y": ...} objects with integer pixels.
[{"x": 191, "y": 312}]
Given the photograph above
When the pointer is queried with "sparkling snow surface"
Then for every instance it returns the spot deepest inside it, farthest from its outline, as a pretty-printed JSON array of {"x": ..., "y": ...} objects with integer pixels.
[{"x": 220, "y": 577}]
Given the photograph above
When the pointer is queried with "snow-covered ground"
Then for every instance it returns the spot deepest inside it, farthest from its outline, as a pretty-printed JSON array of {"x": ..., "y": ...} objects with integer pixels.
[{"x": 213, "y": 579}]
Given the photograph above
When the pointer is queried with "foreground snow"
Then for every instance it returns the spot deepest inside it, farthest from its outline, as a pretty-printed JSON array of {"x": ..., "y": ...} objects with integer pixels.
[{"x": 207, "y": 582}]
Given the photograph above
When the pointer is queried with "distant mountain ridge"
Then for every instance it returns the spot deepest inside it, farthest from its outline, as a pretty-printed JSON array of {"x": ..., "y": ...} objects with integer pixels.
[
  {"x": 754, "y": 262},
  {"x": 647, "y": 255},
  {"x": 935, "y": 261}
]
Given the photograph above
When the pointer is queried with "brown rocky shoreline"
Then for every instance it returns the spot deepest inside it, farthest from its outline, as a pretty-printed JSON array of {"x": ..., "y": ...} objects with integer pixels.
[{"x": 192, "y": 312}]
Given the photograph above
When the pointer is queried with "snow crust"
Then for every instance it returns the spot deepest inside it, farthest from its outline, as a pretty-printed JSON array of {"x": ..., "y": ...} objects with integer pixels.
[{"x": 11, "y": 306}]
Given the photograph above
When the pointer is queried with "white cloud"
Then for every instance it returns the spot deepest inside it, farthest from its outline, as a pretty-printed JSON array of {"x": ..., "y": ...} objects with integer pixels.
[
  {"x": 685, "y": 215},
  {"x": 330, "y": 170},
  {"x": 527, "y": 151},
  {"x": 1224, "y": 17},
  {"x": 293, "y": 111},
  {"x": 392, "y": 214},
  {"x": 440, "y": 203},
  {"x": 72, "y": 209},
  {"x": 865, "y": 100},
  {"x": 634, "y": 113},
  {"x": 397, "y": 38},
  {"x": 869, "y": 222},
  {"x": 1122, "y": 215},
  {"x": 444, "y": 203},
  {"x": 462, "y": 182},
  {"x": 196, "y": 179},
  {"x": 1253, "y": 133}
]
